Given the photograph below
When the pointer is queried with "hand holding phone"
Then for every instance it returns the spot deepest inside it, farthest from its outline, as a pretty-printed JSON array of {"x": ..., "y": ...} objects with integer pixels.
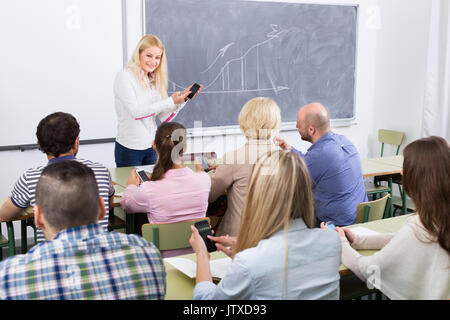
[
  {"x": 193, "y": 90},
  {"x": 142, "y": 175},
  {"x": 330, "y": 225},
  {"x": 205, "y": 164},
  {"x": 204, "y": 230}
]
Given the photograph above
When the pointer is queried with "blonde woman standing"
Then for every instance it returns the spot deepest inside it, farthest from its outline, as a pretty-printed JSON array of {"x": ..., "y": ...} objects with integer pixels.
[
  {"x": 259, "y": 120},
  {"x": 278, "y": 254},
  {"x": 140, "y": 93}
]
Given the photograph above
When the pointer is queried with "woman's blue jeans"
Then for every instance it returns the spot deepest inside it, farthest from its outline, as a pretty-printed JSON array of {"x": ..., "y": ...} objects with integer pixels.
[{"x": 128, "y": 157}]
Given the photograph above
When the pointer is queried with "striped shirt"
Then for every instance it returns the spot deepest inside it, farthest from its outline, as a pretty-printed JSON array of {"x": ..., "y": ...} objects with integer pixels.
[
  {"x": 23, "y": 194},
  {"x": 85, "y": 263}
]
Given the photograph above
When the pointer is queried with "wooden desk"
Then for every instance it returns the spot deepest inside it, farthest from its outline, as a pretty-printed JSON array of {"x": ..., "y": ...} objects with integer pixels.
[
  {"x": 25, "y": 215},
  {"x": 372, "y": 167},
  {"x": 181, "y": 287},
  {"x": 385, "y": 166},
  {"x": 396, "y": 161}
]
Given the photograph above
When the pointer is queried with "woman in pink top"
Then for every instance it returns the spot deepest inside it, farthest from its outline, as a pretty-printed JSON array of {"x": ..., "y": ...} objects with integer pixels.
[{"x": 174, "y": 193}]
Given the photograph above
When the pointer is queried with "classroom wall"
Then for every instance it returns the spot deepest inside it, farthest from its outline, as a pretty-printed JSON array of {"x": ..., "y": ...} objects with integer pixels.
[{"x": 391, "y": 64}]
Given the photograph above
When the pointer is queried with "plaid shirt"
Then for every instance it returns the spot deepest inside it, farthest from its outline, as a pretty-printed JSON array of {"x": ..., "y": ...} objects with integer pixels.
[{"x": 86, "y": 263}]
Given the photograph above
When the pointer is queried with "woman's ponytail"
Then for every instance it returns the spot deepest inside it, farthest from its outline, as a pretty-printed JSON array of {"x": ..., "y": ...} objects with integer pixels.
[{"x": 166, "y": 142}]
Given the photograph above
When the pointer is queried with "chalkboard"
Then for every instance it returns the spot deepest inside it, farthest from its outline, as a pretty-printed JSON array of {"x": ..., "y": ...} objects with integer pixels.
[{"x": 293, "y": 53}]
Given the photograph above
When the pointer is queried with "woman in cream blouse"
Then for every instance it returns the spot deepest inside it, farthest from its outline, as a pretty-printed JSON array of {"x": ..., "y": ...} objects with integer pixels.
[
  {"x": 140, "y": 93},
  {"x": 413, "y": 263},
  {"x": 259, "y": 120}
]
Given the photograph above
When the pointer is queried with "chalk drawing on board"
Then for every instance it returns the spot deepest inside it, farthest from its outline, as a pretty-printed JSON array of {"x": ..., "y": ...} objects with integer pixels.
[
  {"x": 221, "y": 82},
  {"x": 219, "y": 55},
  {"x": 314, "y": 59}
]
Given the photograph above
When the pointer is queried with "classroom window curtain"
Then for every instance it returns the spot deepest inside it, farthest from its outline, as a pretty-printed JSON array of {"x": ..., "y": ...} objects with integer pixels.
[{"x": 436, "y": 115}]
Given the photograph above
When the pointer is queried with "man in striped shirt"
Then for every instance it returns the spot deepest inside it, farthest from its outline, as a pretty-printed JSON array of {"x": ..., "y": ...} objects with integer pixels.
[
  {"x": 80, "y": 260},
  {"x": 58, "y": 138}
]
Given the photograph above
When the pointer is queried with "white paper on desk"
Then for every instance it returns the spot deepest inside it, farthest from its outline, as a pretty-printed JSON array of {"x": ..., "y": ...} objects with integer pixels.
[
  {"x": 218, "y": 267},
  {"x": 361, "y": 231}
]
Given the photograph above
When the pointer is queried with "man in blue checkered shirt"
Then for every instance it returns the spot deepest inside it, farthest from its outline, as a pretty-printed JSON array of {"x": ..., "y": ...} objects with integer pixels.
[{"x": 80, "y": 260}]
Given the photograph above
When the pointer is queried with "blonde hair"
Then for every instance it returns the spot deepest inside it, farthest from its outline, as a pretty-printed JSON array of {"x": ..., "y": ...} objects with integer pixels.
[
  {"x": 160, "y": 73},
  {"x": 279, "y": 190},
  {"x": 260, "y": 118}
]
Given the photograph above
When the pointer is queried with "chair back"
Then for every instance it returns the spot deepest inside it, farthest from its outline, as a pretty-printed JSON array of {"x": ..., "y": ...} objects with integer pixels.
[
  {"x": 372, "y": 210},
  {"x": 170, "y": 236},
  {"x": 390, "y": 137}
]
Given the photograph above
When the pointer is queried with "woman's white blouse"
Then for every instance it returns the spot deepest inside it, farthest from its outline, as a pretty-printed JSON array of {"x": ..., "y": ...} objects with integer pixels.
[{"x": 136, "y": 109}]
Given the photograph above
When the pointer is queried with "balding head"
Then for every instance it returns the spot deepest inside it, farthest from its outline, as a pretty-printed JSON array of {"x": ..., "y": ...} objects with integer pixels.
[{"x": 313, "y": 121}]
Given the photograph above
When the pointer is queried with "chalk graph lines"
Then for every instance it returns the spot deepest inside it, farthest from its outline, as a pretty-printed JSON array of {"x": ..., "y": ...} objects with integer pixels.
[
  {"x": 233, "y": 76},
  {"x": 219, "y": 55}
]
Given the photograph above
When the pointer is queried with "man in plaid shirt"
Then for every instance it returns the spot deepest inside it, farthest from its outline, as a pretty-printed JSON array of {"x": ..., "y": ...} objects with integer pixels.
[{"x": 80, "y": 260}]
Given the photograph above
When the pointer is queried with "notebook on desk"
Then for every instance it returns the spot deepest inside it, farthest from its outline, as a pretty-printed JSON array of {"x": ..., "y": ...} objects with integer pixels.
[
  {"x": 218, "y": 267},
  {"x": 361, "y": 231}
]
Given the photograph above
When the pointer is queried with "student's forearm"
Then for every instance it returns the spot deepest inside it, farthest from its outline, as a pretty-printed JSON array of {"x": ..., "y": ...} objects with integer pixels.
[
  {"x": 377, "y": 241},
  {"x": 9, "y": 211},
  {"x": 350, "y": 259},
  {"x": 203, "y": 269}
]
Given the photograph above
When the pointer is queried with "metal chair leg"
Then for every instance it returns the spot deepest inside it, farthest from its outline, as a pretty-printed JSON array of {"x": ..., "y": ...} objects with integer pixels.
[
  {"x": 23, "y": 231},
  {"x": 11, "y": 240}
]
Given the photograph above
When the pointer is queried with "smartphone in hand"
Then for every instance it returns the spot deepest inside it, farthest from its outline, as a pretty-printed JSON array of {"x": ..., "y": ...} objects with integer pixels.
[
  {"x": 204, "y": 230},
  {"x": 193, "y": 90},
  {"x": 142, "y": 175},
  {"x": 205, "y": 164}
]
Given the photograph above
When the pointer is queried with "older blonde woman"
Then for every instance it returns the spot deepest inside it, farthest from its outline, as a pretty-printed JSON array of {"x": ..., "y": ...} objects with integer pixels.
[
  {"x": 259, "y": 120},
  {"x": 277, "y": 254},
  {"x": 140, "y": 93}
]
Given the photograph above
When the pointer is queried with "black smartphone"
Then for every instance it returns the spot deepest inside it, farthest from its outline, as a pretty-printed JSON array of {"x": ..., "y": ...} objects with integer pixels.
[
  {"x": 142, "y": 175},
  {"x": 205, "y": 164},
  {"x": 193, "y": 90},
  {"x": 204, "y": 230}
]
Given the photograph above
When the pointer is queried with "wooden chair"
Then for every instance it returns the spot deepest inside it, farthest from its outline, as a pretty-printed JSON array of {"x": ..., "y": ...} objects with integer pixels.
[
  {"x": 10, "y": 242},
  {"x": 373, "y": 210},
  {"x": 170, "y": 238},
  {"x": 391, "y": 137}
]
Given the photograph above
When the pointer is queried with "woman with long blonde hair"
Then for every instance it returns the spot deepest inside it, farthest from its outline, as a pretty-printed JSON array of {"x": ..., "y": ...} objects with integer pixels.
[
  {"x": 140, "y": 93},
  {"x": 277, "y": 254}
]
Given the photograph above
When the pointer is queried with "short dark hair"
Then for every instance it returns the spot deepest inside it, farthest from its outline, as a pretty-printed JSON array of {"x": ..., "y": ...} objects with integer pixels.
[
  {"x": 68, "y": 195},
  {"x": 57, "y": 132}
]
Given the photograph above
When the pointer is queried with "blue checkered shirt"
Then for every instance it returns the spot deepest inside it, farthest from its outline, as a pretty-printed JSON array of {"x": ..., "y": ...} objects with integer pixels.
[{"x": 86, "y": 263}]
